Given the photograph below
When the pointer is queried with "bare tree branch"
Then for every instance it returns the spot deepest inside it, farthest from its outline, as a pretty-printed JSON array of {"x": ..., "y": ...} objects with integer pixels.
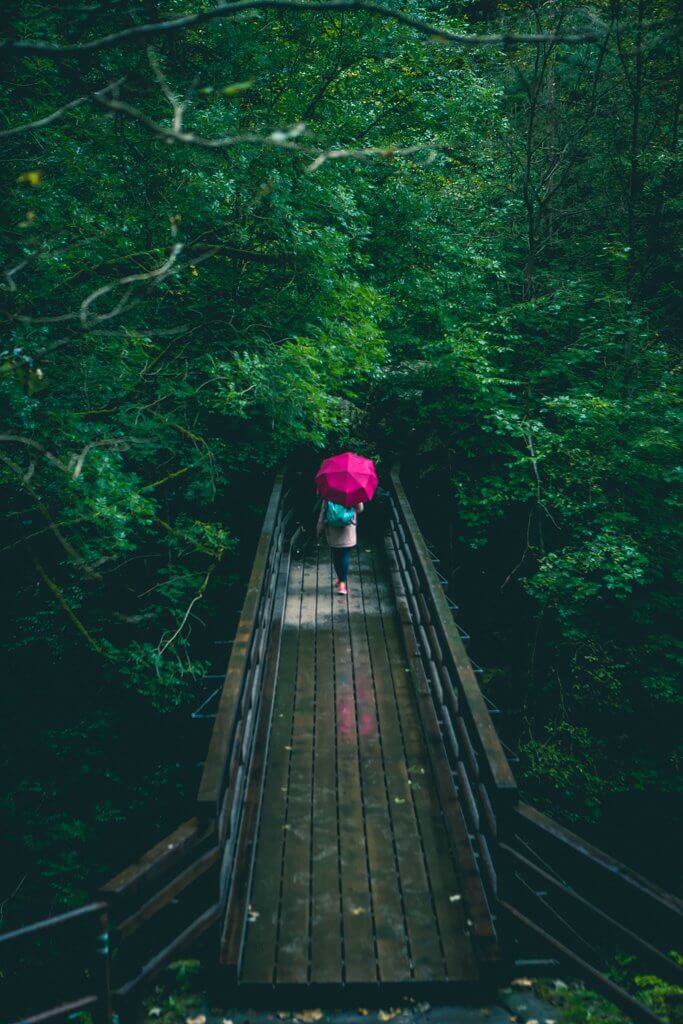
[
  {"x": 179, "y": 106},
  {"x": 76, "y": 462},
  {"x": 68, "y": 611},
  {"x": 165, "y": 644},
  {"x": 57, "y": 115},
  {"x": 278, "y": 139},
  {"x": 68, "y": 547},
  {"x": 156, "y": 275},
  {"x": 54, "y": 51},
  {"x": 28, "y": 442}
]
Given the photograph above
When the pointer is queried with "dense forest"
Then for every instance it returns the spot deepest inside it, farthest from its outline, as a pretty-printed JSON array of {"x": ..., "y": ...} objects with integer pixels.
[{"x": 277, "y": 231}]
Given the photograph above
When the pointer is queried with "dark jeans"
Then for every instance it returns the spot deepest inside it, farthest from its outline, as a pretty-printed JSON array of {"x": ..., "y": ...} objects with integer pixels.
[{"x": 341, "y": 558}]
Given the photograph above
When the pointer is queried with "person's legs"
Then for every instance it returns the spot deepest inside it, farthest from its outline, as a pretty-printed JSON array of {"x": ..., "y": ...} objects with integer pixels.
[
  {"x": 340, "y": 559},
  {"x": 336, "y": 561}
]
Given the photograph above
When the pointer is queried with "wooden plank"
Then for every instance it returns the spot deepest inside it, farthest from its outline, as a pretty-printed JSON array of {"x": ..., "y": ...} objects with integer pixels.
[
  {"x": 403, "y": 754},
  {"x": 170, "y": 892},
  {"x": 326, "y": 922},
  {"x": 260, "y": 942},
  {"x": 77, "y": 975},
  {"x": 358, "y": 932},
  {"x": 139, "y": 880},
  {"x": 448, "y": 917},
  {"x": 82, "y": 919},
  {"x": 181, "y": 941},
  {"x": 62, "y": 1012},
  {"x": 389, "y": 919},
  {"x": 293, "y": 925}
]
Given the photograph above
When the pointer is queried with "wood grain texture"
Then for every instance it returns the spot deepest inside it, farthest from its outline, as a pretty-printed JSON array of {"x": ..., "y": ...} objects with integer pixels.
[{"x": 353, "y": 870}]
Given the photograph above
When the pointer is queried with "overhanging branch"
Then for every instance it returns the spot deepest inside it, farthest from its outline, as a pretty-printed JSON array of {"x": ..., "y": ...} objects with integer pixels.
[{"x": 141, "y": 33}]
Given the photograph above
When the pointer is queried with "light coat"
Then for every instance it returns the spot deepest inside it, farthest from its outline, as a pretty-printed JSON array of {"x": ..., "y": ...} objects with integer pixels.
[{"x": 338, "y": 536}]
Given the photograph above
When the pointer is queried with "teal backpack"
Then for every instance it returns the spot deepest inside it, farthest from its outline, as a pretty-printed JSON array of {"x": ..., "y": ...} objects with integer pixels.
[{"x": 338, "y": 515}]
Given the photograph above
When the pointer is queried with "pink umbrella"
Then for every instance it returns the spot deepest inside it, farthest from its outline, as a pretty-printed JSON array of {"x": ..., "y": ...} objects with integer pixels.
[{"x": 346, "y": 479}]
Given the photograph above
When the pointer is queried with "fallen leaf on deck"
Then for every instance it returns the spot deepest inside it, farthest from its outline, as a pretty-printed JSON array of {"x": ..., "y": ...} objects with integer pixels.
[
  {"x": 196, "y": 1020},
  {"x": 288, "y": 748},
  {"x": 388, "y": 1014},
  {"x": 455, "y": 897},
  {"x": 155, "y": 1011},
  {"x": 521, "y": 983},
  {"x": 253, "y": 915},
  {"x": 399, "y": 800},
  {"x": 356, "y": 911},
  {"x": 309, "y": 1016},
  {"x": 225, "y": 1021},
  {"x": 284, "y": 1014}
]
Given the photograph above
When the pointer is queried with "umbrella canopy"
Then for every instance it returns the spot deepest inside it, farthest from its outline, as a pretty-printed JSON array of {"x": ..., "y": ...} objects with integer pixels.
[{"x": 347, "y": 479}]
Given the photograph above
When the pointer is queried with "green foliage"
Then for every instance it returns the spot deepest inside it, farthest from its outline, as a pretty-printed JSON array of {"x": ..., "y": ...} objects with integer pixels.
[
  {"x": 576, "y": 1004},
  {"x": 500, "y": 308}
]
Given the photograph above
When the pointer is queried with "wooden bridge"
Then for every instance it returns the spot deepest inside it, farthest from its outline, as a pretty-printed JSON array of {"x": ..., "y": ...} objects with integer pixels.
[{"x": 358, "y": 834}]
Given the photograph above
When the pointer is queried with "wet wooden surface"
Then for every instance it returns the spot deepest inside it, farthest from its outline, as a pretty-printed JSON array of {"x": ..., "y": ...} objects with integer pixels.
[{"x": 354, "y": 881}]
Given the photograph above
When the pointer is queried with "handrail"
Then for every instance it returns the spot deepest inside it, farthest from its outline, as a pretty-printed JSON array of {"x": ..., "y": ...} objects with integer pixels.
[
  {"x": 489, "y": 743},
  {"x": 587, "y": 906},
  {"x": 616, "y": 993},
  {"x": 478, "y": 776},
  {"x": 213, "y": 779},
  {"x": 656, "y": 914},
  {"x": 65, "y": 987}
]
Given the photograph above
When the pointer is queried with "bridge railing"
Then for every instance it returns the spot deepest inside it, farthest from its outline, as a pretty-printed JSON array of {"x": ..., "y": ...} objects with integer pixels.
[
  {"x": 103, "y": 955},
  {"x": 57, "y": 967},
  {"x": 566, "y": 897},
  {"x": 480, "y": 775},
  {"x": 178, "y": 890},
  {"x": 553, "y": 898}
]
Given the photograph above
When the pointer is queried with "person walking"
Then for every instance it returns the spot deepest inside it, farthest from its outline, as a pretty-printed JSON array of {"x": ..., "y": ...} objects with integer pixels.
[
  {"x": 343, "y": 482},
  {"x": 339, "y": 525}
]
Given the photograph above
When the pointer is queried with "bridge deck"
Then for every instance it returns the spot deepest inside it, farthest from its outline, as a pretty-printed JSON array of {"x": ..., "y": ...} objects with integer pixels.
[{"x": 353, "y": 880}]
